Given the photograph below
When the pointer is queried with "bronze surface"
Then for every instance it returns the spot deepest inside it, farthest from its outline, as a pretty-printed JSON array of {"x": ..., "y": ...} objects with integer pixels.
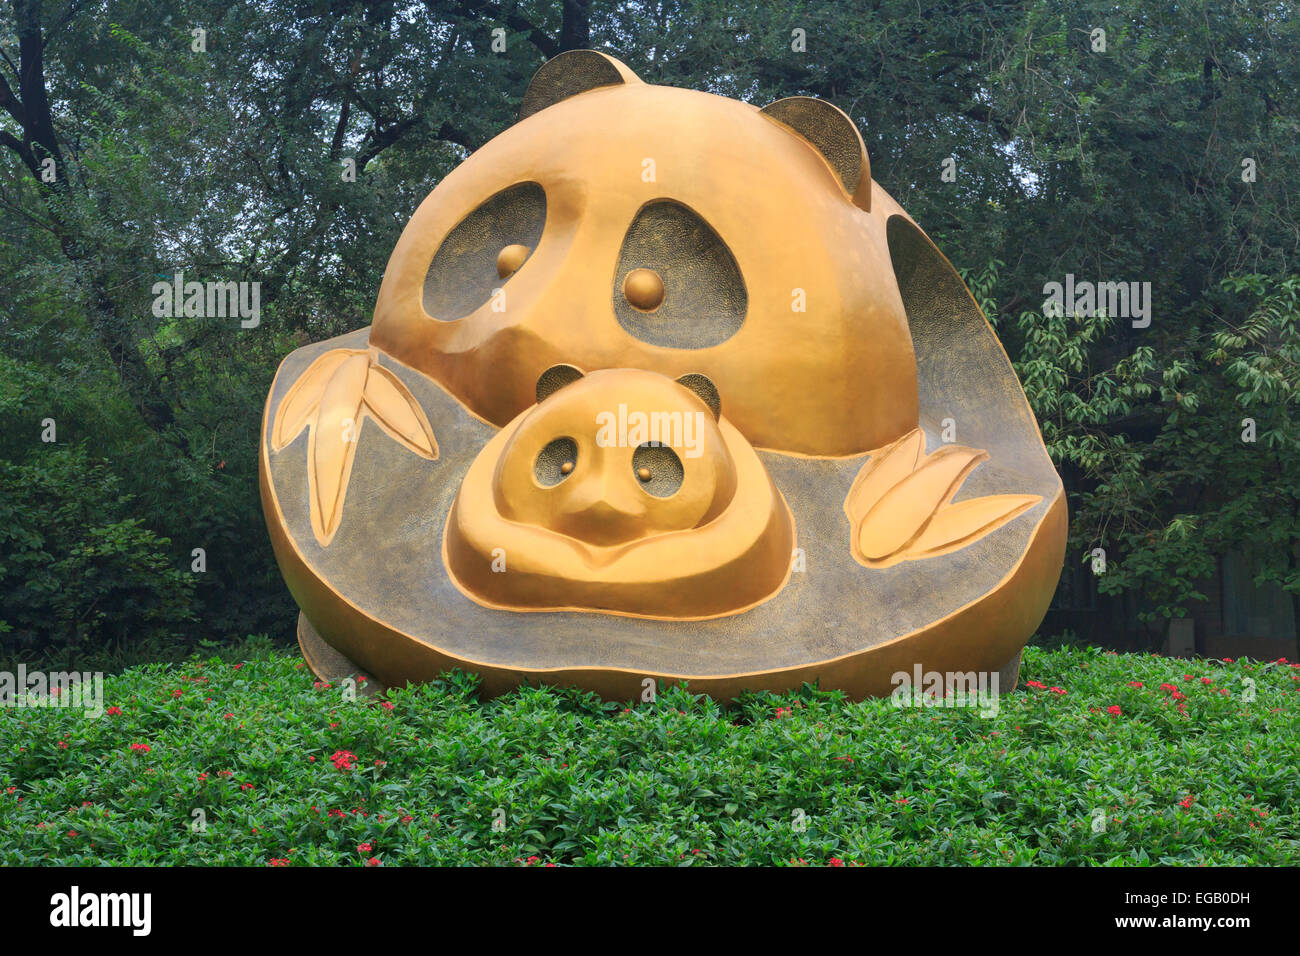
[{"x": 902, "y": 544}]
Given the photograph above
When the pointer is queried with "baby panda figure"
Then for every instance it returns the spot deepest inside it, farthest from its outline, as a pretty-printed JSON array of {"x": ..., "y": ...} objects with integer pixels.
[{"x": 621, "y": 491}]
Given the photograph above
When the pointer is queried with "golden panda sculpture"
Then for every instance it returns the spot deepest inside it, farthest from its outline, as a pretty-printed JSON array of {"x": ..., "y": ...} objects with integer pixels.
[
  {"x": 623, "y": 493},
  {"x": 662, "y": 385}
]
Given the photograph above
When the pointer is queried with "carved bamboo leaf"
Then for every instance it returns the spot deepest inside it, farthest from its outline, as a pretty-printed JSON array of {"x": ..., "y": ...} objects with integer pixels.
[
  {"x": 334, "y": 441},
  {"x": 397, "y": 411},
  {"x": 885, "y": 469},
  {"x": 965, "y": 520},
  {"x": 295, "y": 412},
  {"x": 903, "y": 511}
]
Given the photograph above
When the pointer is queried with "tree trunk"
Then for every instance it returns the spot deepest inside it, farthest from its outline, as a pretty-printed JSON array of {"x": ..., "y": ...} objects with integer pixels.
[{"x": 575, "y": 27}]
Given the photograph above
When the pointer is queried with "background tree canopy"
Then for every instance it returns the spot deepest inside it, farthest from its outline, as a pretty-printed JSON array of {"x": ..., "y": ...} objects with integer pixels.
[{"x": 132, "y": 148}]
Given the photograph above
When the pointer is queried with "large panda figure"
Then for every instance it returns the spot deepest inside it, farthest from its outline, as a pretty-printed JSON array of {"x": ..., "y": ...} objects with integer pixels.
[{"x": 662, "y": 385}]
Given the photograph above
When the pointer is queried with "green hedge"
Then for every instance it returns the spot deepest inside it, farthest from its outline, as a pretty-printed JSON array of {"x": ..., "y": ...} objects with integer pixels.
[{"x": 287, "y": 771}]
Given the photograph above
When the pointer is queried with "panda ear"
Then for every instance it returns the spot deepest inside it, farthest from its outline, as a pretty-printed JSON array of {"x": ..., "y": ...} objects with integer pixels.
[
  {"x": 555, "y": 378},
  {"x": 703, "y": 386},
  {"x": 570, "y": 73},
  {"x": 829, "y": 131}
]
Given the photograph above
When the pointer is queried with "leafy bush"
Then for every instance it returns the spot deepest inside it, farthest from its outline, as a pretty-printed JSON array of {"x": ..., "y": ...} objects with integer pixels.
[
  {"x": 1174, "y": 456},
  {"x": 1096, "y": 759},
  {"x": 75, "y": 571}
]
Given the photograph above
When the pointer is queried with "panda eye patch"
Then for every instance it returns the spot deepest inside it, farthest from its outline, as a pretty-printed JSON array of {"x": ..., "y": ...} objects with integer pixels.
[
  {"x": 677, "y": 284},
  {"x": 657, "y": 470},
  {"x": 483, "y": 250},
  {"x": 556, "y": 461}
]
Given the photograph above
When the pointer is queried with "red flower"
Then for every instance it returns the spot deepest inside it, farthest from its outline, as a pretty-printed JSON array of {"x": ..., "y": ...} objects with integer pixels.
[
  {"x": 1034, "y": 683},
  {"x": 1114, "y": 710},
  {"x": 114, "y": 711},
  {"x": 1057, "y": 690},
  {"x": 387, "y": 705},
  {"x": 1206, "y": 680},
  {"x": 141, "y": 747},
  {"x": 229, "y": 716},
  {"x": 342, "y": 759},
  {"x": 1187, "y": 801},
  {"x": 202, "y": 777},
  {"x": 1135, "y": 683},
  {"x": 373, "y": 861},
  {"x": 1171, "y": 687},
  {"x": 278, "y": 861},
  {"x": 365, "y": 848}
]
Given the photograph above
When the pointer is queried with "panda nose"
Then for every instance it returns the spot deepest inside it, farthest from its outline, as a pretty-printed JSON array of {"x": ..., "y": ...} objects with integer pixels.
[{"x": 603, "y": 513}]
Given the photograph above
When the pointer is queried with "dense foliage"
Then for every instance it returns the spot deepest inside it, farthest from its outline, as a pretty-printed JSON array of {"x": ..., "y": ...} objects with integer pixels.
[
  {"x": 132, "y": 148},
  {"x": 1096, "y": 759}
]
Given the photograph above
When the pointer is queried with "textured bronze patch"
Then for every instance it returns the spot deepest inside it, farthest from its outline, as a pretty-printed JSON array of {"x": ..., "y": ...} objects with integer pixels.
[
  {"x": 568, "y": 74},
  {"x": 550, "y": 462},
  {"x": 662, "y": 465},
  {"x": 831, "y": 133},
  {"x": 961, "y": 368},
  {"x": 555, "y": 378},
  {"x": 704, "y": 293},
  {"x": 463, "y": 272},
  {"x": 703, "y": 386}
]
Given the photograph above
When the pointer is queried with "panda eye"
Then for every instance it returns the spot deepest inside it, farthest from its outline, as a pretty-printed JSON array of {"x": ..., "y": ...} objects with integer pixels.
[
  {"x": 483, "y": 250},
  {"x": 677, "y": 284},
  {"x": 556, "y": 462},
  {"x": 658, "y": 470}
]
